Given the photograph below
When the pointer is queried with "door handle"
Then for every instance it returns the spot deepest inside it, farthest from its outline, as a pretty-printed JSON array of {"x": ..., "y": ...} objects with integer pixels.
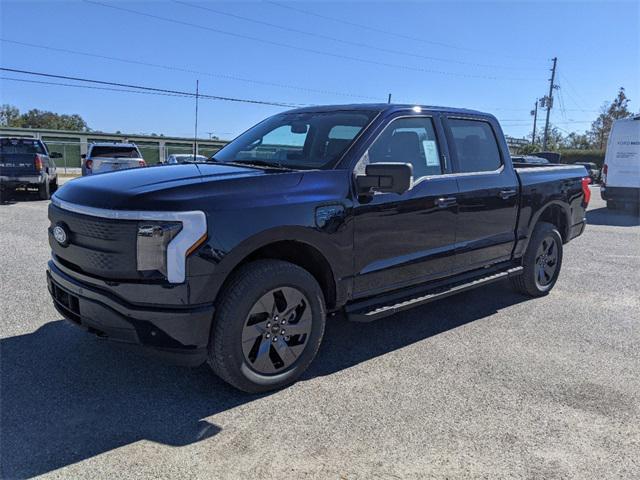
[
  {"x": 507, "y": 193},
  {"x": 446, "y": 202}
]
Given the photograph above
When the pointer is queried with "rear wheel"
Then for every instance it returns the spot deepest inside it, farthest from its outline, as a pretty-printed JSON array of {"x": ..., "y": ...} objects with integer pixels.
[
  {"x": 541, "y": 261},
  {"x": 54, "y": 185},
  {"x": 268, "y": 326},
  {"x": 44, "y": 190}
]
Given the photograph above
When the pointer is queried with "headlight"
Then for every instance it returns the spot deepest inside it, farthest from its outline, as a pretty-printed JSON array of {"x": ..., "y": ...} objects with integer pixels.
[{"x": 152, "y": 242}]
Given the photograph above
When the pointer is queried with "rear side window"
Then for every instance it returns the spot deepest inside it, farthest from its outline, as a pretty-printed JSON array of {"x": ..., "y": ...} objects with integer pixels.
[
  {"x": 476, "y": 146},
  {"x": 19, "y": 145},
  {"x": 114, "y": 152}
]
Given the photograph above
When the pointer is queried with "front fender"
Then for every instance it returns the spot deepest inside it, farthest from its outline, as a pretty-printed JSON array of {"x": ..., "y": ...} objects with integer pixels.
[{"x": 335, "y": 245}]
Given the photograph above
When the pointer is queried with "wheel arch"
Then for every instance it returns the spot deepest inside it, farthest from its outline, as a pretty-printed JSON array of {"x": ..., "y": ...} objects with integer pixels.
[
  {"x": 299, "y": 252},
  {"x": 557, "y": 214}
]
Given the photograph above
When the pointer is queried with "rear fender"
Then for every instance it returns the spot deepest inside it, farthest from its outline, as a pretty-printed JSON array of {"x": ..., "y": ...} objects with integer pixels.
[{"x": 524, "y": 234}]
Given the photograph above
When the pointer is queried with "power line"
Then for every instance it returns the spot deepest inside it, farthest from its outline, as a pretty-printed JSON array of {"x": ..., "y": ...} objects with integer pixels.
[
  {"x": 303, "y": 49},
  {"x": 186, "y": 70},
  {"x": 346, "y": 42},
  {"x": 91, "y": 87},
  {"x": 388, "y": 32},
  {"x": 150, "y": 89},
  {"x": 573, "y": 99}
]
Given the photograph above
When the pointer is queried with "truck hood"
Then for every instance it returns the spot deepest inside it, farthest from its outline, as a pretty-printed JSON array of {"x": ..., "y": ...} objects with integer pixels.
[{"x": 168, "y": 187}]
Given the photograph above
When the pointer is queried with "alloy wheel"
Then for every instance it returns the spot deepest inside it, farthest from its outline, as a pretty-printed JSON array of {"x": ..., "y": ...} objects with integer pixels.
[
  {"x": 276, "y": 330},
  {"x": 546, "y": 262}
]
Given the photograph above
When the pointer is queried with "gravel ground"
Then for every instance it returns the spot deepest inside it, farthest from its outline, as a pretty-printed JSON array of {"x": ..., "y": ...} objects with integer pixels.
[{"x": 487, "y": 384}]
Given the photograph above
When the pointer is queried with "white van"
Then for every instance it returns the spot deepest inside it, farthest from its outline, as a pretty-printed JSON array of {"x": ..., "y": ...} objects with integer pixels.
[{"x": 621, "y": 171}]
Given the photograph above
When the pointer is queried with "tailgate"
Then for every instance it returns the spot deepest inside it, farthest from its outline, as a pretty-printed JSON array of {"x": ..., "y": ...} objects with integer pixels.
[
  {"x": 17, "y": 165},
  {"x": 101, "y": 165},
  {"x": 18, "y": 155}
]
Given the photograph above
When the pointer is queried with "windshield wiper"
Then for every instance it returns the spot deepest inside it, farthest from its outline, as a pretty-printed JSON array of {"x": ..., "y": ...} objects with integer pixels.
[{"x": 260, "y": 163}]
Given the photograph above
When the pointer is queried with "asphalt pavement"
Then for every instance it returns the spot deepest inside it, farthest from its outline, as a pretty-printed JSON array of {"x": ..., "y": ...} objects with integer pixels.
[{"x": 487, "y": 384}]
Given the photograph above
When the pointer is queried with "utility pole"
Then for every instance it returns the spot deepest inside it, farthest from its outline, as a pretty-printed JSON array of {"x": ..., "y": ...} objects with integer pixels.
[
  {"x": 535, "y": 119},
  {"x": 195, "y": 135},
  {"x": 549, "y": 103},
  {"x": 389, "y": 99}
]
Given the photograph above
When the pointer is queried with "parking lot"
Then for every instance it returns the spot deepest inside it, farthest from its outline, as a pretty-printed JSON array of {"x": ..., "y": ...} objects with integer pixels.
[{"x": 487, "y": 384}]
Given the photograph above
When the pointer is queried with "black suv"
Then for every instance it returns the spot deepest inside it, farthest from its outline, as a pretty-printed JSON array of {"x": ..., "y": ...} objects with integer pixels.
[{"x": 365, "y": 209}]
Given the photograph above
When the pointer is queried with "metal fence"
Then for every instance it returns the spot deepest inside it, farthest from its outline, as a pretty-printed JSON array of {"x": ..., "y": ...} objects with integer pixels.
[{"x": 152, "y": 153}]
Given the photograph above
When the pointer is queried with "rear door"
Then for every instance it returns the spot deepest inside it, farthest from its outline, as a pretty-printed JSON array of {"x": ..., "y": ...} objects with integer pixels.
[
  {"x": 400, "y": 240},
  {"x": 488, "y": 192}
]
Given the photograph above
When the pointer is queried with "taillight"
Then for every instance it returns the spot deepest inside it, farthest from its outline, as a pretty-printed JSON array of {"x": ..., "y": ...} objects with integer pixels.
[
  {"x": 141, "y": 163},
  {"x": 586, "y": 191},
  {"x": 88, "y": 165},
  {"x": 37, "y": 163}
]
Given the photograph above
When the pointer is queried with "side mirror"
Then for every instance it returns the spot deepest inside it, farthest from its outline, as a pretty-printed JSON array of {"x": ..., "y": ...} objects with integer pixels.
[
  {"x": 299, "y": 127},
  {"x": 385, "y": 177},
  {"x": 55, "y": 155},
  {"x": 83, "y": 156}
]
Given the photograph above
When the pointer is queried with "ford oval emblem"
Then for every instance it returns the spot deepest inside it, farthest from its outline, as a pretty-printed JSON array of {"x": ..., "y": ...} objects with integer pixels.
[{"x": 60, "y": 234}]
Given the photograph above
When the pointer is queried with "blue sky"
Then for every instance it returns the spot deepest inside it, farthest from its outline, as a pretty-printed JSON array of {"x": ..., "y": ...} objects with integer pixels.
[{"x": 492, "y": 56}]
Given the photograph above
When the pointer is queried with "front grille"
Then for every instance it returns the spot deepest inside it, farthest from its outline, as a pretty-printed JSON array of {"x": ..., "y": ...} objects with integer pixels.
[
  {"x": 97, "y": 246},
  {"x": 67, "y": 303}
]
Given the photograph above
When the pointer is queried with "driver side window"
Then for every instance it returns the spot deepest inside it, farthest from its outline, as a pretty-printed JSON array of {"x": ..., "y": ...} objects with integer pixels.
[{"x": 406, "y": 140}]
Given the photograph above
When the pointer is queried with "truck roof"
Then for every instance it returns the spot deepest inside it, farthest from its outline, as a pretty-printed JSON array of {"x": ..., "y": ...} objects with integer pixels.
[
  {"x": 383, "y": 107},
  {"x": 112, "y": 144}
]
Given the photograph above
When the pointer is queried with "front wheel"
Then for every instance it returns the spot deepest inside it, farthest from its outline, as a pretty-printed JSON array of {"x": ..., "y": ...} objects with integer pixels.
[
  {"x": 541, "y": 261},
  {"x": 268, "y": 326}
]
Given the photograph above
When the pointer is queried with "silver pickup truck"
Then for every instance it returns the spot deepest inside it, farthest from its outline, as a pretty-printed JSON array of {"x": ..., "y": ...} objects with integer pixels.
[{"x": 107, "y": 157}]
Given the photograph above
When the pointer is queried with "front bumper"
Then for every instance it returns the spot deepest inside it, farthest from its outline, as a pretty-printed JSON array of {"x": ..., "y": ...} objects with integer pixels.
[{"x": 179, "y": 334}]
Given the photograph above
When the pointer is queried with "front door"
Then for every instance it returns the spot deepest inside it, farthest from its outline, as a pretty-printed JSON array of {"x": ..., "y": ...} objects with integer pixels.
[{"x": 406, "y": 239}]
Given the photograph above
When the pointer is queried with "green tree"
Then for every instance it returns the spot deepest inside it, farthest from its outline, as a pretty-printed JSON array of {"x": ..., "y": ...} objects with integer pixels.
[
  {"x": 577, "y": 141},
  {"x": 609, "y": 112},
  {"x": 555, "y": 140},
  {"x": 10, "y": 116}
]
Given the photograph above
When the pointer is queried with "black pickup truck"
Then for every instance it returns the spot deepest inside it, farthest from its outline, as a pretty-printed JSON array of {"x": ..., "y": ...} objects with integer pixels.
[
  {"x": 363, "y": 209},
  {"x": 27, "y": 163}
]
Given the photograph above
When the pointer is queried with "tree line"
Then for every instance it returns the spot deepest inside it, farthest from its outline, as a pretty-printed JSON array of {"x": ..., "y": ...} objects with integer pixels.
[
  {"x": 595, "y": 138},
  {"x": 10, "y": 116}
]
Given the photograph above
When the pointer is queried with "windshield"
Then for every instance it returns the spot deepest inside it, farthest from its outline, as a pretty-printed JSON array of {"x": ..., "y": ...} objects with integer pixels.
[
  {"x": 114, "y": 152},
  {"x": 298, "y": 140}
]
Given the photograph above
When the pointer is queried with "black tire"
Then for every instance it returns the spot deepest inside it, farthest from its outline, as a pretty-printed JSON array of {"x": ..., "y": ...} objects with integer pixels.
[
  {"x": 246, "y": 293},
  {"x": 54, "y": 185},
  {"x": 534, "y": 282},
  {"x": 44, "y": 190}
]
